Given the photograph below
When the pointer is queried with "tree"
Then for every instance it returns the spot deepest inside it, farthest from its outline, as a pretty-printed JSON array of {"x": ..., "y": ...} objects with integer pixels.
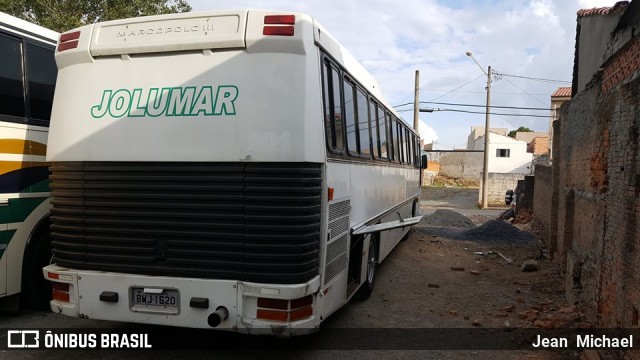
[
  {"x": 512, "y": 133},
  {"x": 63, "y": 15}
]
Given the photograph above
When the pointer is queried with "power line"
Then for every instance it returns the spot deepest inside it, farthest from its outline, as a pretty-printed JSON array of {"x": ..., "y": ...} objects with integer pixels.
[
  {"x": 533, "y": 78},
  {"x": 459, "y": 87},
  {"x": 482, "y": 112},
  {"x": 478, "y": 91},
  {"x": 484, "y": 106},
  {"x": 521, "y": 89}
]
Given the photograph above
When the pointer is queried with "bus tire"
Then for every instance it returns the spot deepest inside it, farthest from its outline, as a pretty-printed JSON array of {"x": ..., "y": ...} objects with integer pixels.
[
  {"x": 36, "y": 290},
  {"x": 372, "y": 264}
]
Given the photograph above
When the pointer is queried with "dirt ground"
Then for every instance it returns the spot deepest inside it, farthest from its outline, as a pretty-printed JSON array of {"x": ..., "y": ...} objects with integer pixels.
[{"x": 447, "y": 285}]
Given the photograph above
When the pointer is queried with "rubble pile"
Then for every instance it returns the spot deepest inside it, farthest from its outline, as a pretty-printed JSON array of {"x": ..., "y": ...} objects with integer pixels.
[{"x": 452, "y": 225}]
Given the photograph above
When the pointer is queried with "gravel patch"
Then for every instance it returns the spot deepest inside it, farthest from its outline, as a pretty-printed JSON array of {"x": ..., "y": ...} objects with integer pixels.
[
  {"x": 448, "y": 218},
  {"x": 452, "y": 225}
]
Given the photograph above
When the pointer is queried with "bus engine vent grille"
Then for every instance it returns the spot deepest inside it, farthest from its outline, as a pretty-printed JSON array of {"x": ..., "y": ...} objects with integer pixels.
[
  {"x": 257, "y": 222},
  {"x": 336, "y": 259}
]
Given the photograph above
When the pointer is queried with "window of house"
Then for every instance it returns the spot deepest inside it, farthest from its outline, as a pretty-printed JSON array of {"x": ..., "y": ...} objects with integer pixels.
[{"x": 504, "y": 153}]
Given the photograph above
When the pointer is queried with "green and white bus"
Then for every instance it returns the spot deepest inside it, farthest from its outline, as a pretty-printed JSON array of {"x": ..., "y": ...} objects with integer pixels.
[
  {"x": 27, "y": 82},
  {"x": 235, "y": 170}
]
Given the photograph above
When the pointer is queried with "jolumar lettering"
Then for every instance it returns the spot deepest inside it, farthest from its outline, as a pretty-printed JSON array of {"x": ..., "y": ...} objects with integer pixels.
[{"x": 166, "y": 101}]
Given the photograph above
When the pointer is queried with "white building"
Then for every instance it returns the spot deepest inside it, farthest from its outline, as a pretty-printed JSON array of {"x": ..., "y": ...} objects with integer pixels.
[{"x": 506, "y": 155}]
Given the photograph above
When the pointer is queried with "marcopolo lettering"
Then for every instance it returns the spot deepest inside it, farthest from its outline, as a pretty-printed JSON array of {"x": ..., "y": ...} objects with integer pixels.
[{"x": 173, "y": 101}]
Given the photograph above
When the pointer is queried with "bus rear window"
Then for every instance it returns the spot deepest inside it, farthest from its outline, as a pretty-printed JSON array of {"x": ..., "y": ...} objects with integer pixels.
[
  {"x": 11, "y": 87},
  {"x": 41, "y": 70}
]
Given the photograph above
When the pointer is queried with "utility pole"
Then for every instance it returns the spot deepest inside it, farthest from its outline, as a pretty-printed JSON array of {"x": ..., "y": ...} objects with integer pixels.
[
  {"x": 485, "y": 169},
  {"x": 416, "y": 101}
]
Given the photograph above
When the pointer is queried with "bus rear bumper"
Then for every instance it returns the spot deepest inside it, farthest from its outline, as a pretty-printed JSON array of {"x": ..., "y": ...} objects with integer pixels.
[{"x": 190, "y": 302}]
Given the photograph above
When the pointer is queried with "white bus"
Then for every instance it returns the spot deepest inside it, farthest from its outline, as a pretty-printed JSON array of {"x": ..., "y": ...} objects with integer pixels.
[
  {"x": 235, "y": 170},
  {"x": 27, "y": 81}
]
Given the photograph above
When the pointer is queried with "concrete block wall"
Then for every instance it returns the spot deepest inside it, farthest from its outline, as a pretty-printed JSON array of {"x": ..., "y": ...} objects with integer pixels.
[
  {"x": 457, "y": 164},
  {"x": 498, "y": 185}
]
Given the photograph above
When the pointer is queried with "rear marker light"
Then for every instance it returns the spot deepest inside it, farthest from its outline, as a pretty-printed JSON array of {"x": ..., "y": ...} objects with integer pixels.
[
  {"x": 278, "y": 30},
  {"x": 285, "y": 310},
  {"x": 280, "y": 19},
  {"x": 70, "y": 36},
  {"x": 68, "y": 41},
  {"x": 60, "y": 291},
  {"x": 53, "y": 276}
]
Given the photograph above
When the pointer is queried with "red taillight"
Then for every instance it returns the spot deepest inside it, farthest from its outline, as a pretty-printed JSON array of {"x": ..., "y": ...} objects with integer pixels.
[
  {"x": 70, "y": 36},
  {"x": 285, "y": 310},
  {"x": 60, "y": 291},
  {"x": 278, "y": 30},
  {"x": 280, "y": 20},
  {"x": 69, "y": 41},
  {"x": 273, "y": 304},
  {"x": 298, "y": 303},
  {"x": 53, "y": 276},
  {"x": 274, "y": 315}
]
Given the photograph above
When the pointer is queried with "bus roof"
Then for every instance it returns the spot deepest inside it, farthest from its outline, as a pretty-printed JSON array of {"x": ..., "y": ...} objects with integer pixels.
[{"x": 16, "y": 25}]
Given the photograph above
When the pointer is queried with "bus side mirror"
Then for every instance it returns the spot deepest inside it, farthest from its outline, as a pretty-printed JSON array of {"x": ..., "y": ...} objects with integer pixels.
[{"x": 423, "y": 161}]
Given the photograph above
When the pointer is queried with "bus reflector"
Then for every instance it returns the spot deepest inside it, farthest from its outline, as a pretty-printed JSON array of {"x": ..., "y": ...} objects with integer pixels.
[
  {"x": 285, "y": 310},
  {"x": 53, "y": 276},
  {"x": 301, "y": 313},
  {"x": 275, "y": 315},
  {"x": 280, "y": 19},
  {"x": 330, "y": 193},
  {"x": 278, "y": 30},
  {"x": 60, "y": 291},
  {"x": 298, "y": 303},
  {"x": 68, "y": 41},
  {"x": 273, "y": 303}
]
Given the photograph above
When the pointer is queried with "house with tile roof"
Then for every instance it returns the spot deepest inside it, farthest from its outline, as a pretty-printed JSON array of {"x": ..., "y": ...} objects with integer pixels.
[{"x": 559, "y": 97}]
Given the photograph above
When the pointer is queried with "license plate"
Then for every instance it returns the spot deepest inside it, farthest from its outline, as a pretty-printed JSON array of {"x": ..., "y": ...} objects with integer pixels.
[{"x": 155, "y": 300}]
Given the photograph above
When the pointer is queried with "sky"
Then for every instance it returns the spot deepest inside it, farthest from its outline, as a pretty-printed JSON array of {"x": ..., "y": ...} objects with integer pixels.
[{"x": 393, "y": 39}]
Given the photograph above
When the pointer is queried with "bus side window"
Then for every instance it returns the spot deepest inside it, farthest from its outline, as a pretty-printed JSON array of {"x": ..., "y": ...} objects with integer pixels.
[
  {"x": 41, "y": 77},
  {"x": 364, "y": 138},
  {"x": 375, "y": 135},
  {"x": 382, "y": 130},
  {"x": 393, "y": 140},
  {"x": 350, "y": 118},
  {"x": 400, "y": 142},
  {"x": 11, "y": 85},
  {"x": 332, "y": 108},
  {"x": 409, "y": 147}
]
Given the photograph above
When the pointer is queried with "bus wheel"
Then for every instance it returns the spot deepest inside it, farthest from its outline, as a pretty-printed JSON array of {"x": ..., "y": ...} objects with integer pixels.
[
  {"x": 36, "y": 290},
  {"x": 367, "y": 288}
]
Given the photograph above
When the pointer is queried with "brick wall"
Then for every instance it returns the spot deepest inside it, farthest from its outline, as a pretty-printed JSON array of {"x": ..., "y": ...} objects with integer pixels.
[
  {"x": 542, "y": 200},
  {"x": 595, "y": 201},
  {"x": 539, "y": 146}
]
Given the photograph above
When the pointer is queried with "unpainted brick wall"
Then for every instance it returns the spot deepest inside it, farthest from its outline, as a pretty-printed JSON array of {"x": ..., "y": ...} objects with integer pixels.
[
  {"x": 596, "y": 176},
  {"x": 542, "y": 197}
]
